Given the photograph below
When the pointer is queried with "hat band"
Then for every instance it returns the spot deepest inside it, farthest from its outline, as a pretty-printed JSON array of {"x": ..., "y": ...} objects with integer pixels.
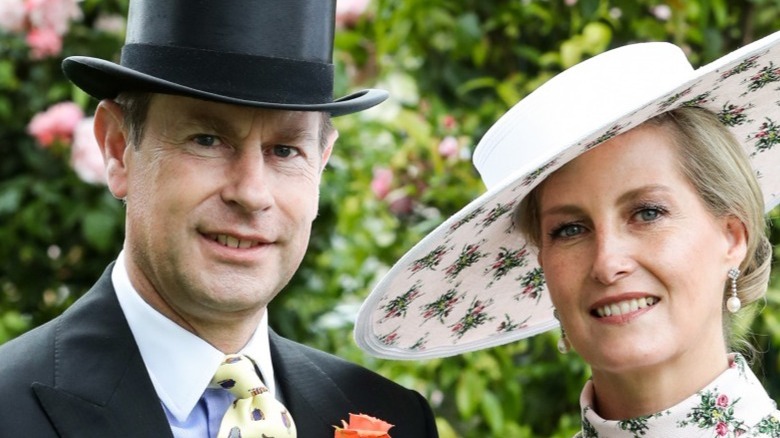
[{"x": 241, "y": 76}]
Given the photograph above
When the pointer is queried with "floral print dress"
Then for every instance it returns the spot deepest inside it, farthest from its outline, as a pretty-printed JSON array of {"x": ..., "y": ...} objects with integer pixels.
[{"x": 733, "y": 405}]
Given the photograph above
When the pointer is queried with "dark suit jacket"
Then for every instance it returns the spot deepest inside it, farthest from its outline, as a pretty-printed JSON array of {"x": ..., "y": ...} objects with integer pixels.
[{"x": 81, "y": 375}]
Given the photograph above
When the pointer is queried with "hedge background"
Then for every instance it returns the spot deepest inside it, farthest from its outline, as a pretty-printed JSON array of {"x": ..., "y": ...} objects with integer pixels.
[{"x": 452, "y": 67}]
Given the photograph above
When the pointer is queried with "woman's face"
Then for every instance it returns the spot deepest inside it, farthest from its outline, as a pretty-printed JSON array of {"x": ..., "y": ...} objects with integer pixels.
[{"x": 635, "y": 263}]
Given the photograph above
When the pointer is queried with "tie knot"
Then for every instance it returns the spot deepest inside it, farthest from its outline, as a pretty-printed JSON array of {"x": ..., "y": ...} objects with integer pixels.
[
  {"x": 237, "y": 374},
  {"x": 255, "y": 412}
]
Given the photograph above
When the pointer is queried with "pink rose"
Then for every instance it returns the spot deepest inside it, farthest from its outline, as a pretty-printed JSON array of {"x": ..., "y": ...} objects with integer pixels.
[
  {"x": 349, "y": 11},
  {"x": 43, "y": 43},
  {"x": 48, "y": 21},
  {"x": 53, "y": 15},
  {"x": 448, "y": 147},
  {"x": 85, "y": 155},
  {"x": 722, "y": 401},
  {"x": 12, "y": 15},
  {"x": 380, "y": 184},
  {"x": 56, "y": 123},
  {"x": 363, "y": 426},
  {"x": 449, "y": 122},
  {"x": 722, "y": 429},
  {"x": 402, "y": 205}
]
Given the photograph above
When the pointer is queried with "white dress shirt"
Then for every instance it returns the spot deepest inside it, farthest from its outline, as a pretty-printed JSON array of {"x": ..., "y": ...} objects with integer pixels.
[{"x": 181, "y": 364}]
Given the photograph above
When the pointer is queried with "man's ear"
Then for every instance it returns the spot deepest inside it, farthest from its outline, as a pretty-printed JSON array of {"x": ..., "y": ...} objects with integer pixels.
[
  {"x": 112, "y": 138},
  {"x": 332, "y": 137},
  {"x": 736, "y": 238}
]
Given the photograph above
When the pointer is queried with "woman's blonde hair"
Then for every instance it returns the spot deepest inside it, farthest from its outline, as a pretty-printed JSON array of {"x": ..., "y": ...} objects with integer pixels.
[{"x": 718, "y": 167}]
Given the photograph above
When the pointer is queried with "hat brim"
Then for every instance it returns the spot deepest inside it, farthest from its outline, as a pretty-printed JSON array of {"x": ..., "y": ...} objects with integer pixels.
[
  {"x": 102, "y": 79},
  {"x": 474, "y": 282}
]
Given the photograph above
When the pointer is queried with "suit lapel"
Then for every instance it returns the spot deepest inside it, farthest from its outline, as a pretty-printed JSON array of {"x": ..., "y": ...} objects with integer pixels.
[
  {"x": 101, "y": 387},
  {"x": 314, "y": 400}
]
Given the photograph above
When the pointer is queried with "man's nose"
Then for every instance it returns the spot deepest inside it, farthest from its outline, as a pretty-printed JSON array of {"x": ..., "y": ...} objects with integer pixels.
[{"x": 250, "y": 182}]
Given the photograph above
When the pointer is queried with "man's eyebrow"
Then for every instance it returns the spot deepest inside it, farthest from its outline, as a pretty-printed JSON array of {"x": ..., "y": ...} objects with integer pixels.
[
  {"x": 296, "y": 134},
  {"x": 286, "y": 132},
  {"x": 212, "y": 121}
]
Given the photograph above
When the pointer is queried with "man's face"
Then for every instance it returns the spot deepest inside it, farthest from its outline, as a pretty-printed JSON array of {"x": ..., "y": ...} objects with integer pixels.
[{"x": 220, "y": 202}]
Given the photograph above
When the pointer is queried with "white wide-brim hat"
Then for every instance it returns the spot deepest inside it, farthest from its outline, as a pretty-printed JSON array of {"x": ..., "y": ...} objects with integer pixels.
[{"x": 474, "y": 282}]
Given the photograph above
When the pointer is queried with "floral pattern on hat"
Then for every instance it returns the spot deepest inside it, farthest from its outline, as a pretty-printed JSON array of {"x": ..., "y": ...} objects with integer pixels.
[
  {"x": 767, "y": 137},
  {"x": 767, "y": 75},
  {"x": 734, "y": 115},
  {"x": 506, "y": 260},
  {"x": 476, "y": 282}
]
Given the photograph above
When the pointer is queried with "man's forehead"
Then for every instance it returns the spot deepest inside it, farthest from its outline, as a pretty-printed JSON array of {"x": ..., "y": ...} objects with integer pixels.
[{"x": 185, "y": 109}]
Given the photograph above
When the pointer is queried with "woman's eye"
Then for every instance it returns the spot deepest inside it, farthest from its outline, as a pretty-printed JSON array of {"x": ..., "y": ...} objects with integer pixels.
[
  {"x": 567, "y": 231},
  {"x": 648, "y": 214},
  {"x": 207, "y": 140}
]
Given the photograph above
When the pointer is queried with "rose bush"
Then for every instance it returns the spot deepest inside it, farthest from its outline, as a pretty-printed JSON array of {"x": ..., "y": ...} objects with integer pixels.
[
  {"x": 45, "y": 22},
  {"x": 85, "y": 156},
  {"x": 56, "y": 124}
]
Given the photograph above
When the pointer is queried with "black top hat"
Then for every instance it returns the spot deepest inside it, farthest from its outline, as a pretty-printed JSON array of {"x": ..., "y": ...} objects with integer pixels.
[{"x": 263, "y": 53}]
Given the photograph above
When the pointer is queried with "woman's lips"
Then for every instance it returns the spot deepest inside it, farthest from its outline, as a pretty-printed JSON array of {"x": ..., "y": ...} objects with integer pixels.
[{"x": 624, "y": 307}]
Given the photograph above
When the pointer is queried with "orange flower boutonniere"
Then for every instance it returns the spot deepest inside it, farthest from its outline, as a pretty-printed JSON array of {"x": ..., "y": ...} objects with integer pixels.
[{"x": 363, "y": 426}]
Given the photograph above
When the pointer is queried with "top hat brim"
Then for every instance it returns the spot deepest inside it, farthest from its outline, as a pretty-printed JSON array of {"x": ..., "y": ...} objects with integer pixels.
[
  {"x": 102, "y": 79},
  {"x": 474, "y": 282}
]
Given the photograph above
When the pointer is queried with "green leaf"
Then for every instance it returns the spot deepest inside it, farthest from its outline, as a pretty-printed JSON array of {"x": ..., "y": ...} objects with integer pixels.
[
  {"x": 493, "y": 412},
  {"x": 99, "y": 229},
  {"x": 8, "y": 79},
  {"x": 10, "y": 199},
  {"x": 469, "y": 392}
]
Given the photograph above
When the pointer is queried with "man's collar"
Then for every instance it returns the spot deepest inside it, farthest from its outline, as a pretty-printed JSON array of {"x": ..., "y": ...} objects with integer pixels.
[{"x": 179, "y": 363}]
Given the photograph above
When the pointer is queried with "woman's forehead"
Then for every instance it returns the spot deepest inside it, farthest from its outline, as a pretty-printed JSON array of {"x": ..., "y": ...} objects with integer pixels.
[{"x": 643, "y": 156}]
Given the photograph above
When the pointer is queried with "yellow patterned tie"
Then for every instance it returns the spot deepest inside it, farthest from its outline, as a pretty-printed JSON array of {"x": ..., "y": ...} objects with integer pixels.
[{"x": 255, "y": 413}]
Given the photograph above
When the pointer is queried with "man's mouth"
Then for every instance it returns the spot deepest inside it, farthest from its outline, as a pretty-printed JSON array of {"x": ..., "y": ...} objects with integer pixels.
[
  {"x": 624, "y": 307},
  {"x": 233, "y": 242}
]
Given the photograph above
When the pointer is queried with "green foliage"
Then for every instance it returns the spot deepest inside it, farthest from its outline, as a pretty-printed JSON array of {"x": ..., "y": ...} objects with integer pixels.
[
  {"x": 453, "y": 68},
  {"x": 57, "y": 232}
]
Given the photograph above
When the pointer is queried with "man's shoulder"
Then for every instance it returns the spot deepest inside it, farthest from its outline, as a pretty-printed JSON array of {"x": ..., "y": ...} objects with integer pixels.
[
  {"x": 336, "y": 367},
  {"x": 33, "y": 354},
  {"x": 366, "y": 391},
  {"x": 24, "y": 361},
  {"x": 28, "y": 354},
  {"x": 350, "y": 377}
]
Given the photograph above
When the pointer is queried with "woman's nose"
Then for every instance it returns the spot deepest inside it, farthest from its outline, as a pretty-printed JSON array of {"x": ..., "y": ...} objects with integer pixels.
[{"x": 612, "y": 258}]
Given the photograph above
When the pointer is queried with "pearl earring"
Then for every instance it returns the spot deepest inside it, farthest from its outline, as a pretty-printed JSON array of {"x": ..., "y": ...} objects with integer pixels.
[
  {"x": 563, "y": 343},
  {"x": 733, "y": 304}
]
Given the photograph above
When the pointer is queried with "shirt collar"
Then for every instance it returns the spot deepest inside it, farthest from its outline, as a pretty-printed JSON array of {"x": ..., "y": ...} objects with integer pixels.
[
  {"x": 179, "y": 363},
  {"x": 734, "y": 403}
]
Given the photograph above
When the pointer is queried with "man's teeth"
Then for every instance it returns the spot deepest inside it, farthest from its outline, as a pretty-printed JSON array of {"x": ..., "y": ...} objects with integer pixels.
[
  {"x": 624, "y": 307},
  {"x": 233, "y": 242}
]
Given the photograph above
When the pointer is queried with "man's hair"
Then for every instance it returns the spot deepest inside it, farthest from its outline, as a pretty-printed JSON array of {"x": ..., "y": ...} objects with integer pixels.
[{"x": 135, "y": 108}]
